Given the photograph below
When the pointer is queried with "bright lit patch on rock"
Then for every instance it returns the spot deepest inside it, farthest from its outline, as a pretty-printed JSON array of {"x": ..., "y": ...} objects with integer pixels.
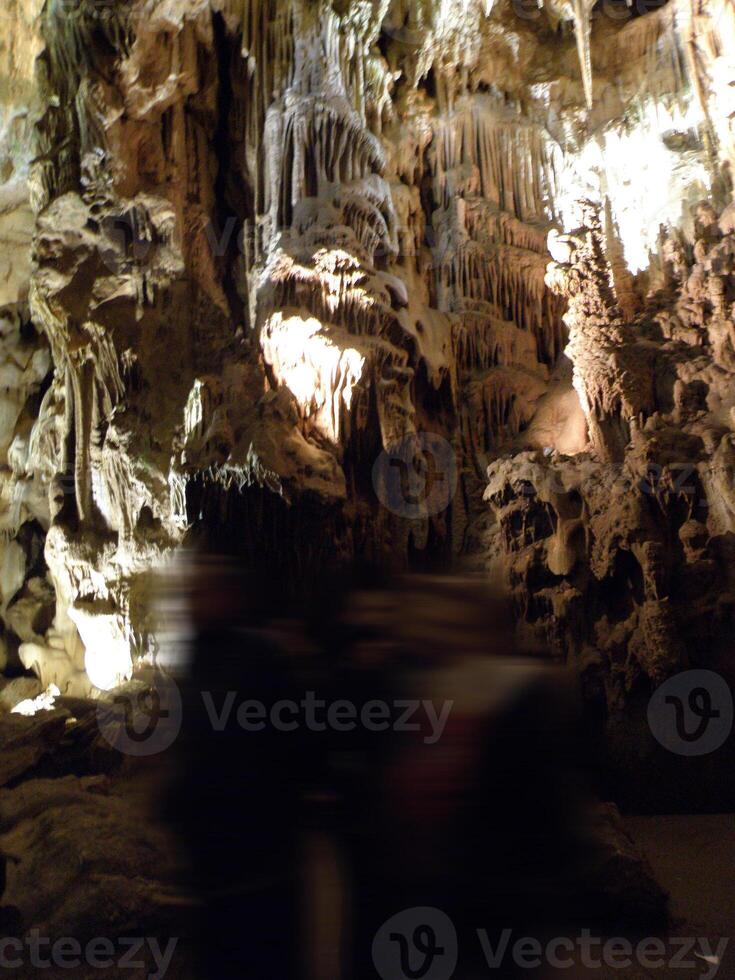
[
  {"x": 44, "y": 702},
  {"x": 319, "y": 229}
]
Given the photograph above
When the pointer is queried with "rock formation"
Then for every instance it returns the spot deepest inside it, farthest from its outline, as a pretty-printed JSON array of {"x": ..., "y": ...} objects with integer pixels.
[
  {"x": 418, "y": 282},
  {"x": 273, "y": 240}
]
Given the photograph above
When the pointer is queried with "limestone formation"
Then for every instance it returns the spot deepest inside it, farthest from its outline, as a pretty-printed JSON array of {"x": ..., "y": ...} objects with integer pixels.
[
  {"x": 620, "y": 554},
  {"x": 271, "y": 240},
  {"x": 251, "y": 250}
]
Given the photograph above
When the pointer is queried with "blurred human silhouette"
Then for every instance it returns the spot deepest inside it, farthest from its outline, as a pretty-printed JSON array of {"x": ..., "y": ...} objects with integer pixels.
[
  {"x": 483, "y": 821},
  {"x": 237, "y": 791},
  {"x": 470, "y": 795}
]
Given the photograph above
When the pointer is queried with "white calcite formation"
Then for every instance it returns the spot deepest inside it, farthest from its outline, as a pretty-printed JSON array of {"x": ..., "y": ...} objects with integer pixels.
[
  {"x": 272, "y": 238},
  {"x": 619, "y": 554}
]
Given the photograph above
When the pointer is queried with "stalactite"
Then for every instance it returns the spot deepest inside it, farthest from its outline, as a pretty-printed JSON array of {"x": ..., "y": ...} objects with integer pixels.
[
  {"x": 582, "y": 30},
  {"x": 480, "y": 342},
  {"x": 395, "y": 169},
  {"x": 516, "y": 162}
]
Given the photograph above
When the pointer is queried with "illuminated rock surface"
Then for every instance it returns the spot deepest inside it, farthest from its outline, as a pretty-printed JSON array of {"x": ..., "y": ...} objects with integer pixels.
[{"x": 247, "y": 246}]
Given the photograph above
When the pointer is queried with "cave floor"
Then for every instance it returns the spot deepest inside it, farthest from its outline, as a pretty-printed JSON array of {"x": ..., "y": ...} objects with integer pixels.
[
  {"x": 116, "y": 827},
  {"x": 693, "y": 858}
]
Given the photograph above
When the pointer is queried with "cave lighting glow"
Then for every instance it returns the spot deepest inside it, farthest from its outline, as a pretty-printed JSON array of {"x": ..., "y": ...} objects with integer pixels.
[
  {"x": 646, "y": 183},
  {"x": 316, "y": 369},
  {"x": 42, "y": 702}
]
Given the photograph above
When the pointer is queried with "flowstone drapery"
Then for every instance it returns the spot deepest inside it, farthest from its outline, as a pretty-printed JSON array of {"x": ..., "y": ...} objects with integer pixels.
[{"x": 273, "y": 240}]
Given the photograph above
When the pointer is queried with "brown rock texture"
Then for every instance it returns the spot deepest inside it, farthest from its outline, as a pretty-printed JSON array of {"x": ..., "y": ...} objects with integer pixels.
[
  {"x": 621, "y": 556},
  {"x": 411, "y": 281},
  {"x": 273, "y": 241},
  {"x": 640, "y": 520}
]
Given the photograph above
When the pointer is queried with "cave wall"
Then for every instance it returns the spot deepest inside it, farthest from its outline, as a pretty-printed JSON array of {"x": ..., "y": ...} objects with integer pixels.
[
  {"x": 273, "y": 240},
  {"x": 26, "y": 365}
]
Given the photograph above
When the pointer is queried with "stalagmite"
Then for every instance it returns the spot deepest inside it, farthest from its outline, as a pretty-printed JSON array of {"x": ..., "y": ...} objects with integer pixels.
[
  {"x": 406, "y": 285},
  {"x": 272, "y": 240}
]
